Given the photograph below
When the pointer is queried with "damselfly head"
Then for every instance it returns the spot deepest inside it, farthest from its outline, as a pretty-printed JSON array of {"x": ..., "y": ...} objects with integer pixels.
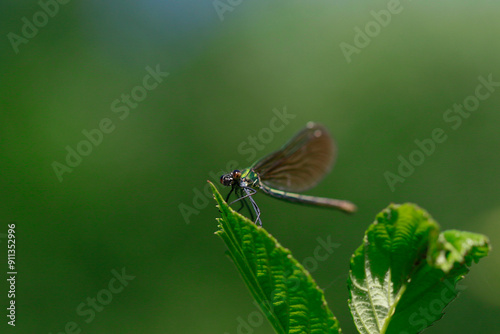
[{"x": 231, "y": 178}]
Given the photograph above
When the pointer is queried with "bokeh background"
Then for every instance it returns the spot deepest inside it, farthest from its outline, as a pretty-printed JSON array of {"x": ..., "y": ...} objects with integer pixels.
[{"x": 229, "y": 68}]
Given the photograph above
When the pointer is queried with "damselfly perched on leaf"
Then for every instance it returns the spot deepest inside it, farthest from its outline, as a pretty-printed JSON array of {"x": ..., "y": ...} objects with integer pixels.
[{"x": 298, "y": 166}]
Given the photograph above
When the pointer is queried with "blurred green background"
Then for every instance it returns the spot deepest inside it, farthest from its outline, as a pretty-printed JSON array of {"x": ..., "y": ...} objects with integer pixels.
[{"x": 120, "y": 207}]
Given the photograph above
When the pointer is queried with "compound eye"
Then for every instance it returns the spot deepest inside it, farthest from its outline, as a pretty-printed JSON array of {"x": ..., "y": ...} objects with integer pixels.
[
  {"x": 236, "y": 174},
  {"x": 226, "y": 180}
]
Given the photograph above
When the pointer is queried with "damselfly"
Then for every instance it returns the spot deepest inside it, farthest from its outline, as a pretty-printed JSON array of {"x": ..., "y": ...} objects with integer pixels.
[{"x": 298, "y": 166}]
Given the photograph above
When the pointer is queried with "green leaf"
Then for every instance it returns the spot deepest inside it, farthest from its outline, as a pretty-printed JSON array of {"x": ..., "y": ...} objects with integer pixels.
[
  {"x": 284, "y": 290},
  {"x": 405, "y": 273}
]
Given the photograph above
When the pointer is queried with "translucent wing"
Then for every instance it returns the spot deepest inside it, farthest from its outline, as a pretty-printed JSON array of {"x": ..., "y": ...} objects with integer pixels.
[{"x": 301, "y": 163}]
